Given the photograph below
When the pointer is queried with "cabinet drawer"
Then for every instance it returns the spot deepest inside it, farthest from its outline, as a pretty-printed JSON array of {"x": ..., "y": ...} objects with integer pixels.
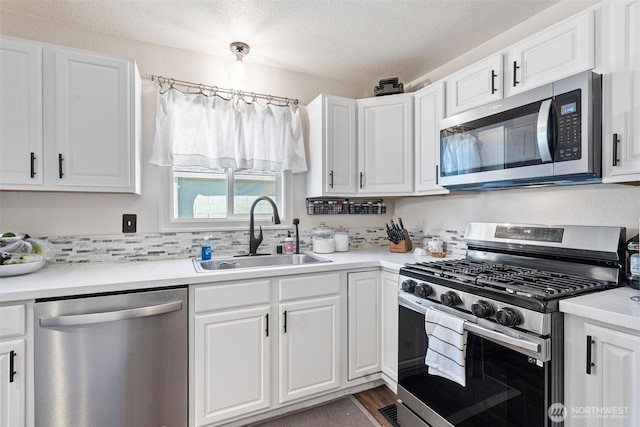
[
  {"x": 12, "y": 321},
  {"x": 308, "y": 286},
  {"x": 231, "y": 295}
]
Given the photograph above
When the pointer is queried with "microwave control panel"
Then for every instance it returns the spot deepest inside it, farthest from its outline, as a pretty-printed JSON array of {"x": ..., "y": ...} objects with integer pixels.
[{"x": 569, "y": 142}]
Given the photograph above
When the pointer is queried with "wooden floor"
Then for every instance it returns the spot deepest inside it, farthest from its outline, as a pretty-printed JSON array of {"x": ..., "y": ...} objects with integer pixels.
[{"x": 375, "y": 399}]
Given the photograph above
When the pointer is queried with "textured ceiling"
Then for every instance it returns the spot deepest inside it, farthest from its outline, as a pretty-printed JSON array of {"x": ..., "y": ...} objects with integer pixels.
[{"x": 360, "y": 41}]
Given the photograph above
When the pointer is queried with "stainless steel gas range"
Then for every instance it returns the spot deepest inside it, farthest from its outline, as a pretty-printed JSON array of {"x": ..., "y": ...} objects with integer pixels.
[{"x": 507, "y": 291}]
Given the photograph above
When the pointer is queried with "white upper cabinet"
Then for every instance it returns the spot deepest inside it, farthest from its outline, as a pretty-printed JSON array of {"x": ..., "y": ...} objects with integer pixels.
[
  {"x": 332, "y": 146},
  {"x": 621, "y": 137},
  {"x": 21, "y": 141},
  {"x": 429, "y": 110},
  {"x": 385, "y": 145},
  {"x": 475, "y": 85},
  {"x": 72, "y": 120},
  {"x": 560, "y": 51}
]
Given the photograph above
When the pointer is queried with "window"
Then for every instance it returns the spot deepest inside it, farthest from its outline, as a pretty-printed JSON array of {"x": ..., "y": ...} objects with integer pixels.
[{"x": 204, "y": 199}]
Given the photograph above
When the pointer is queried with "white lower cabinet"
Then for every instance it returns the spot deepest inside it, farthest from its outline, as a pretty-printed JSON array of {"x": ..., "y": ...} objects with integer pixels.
[
  {"x": 602, "y": 374},
  {"x": 389, "y": 318},
  {"x": 309, "y": 356},
  {"x": 231, "y": 369},
  {"x": 13, "y": 364},
  {"x": 364, "y": 323},
  {"x": 233, "y": 362},
  {"x": 235, "y": 327}
]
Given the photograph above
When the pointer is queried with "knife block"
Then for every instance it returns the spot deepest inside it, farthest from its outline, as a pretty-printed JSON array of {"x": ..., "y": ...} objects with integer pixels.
[{"x": 403, "y": 245}]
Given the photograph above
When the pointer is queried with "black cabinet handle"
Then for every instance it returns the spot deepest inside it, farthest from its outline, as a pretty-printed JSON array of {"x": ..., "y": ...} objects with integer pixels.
[
  {"x": 493, "y": 82},
  {"x": 266, "y": 329},
  {"x": 285, "y": 321},
  {"x": 331, "y": 181},
  {"x": 437, "y": 174},
  {"x": 12, "y": 372},
  {"x": 590, "y": 364},
  {"x": 60, "y": 159},
  {"x": 616, "y": 141},
  {"x": 515, "y": 73},
  {"x": 33, "y": 164},
  {"x": 361, "y": 179}
]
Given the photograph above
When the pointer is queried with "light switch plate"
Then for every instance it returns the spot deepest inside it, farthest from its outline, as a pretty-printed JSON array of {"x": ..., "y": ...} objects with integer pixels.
[{"x": 129, "y": 222}]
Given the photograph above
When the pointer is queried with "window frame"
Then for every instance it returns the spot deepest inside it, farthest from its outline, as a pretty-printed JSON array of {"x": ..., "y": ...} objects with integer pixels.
[{"x": 233, "y": 222}]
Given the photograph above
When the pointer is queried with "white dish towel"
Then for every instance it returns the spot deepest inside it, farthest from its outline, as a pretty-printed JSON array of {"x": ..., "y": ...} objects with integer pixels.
[{"x": 447, "y": 345}]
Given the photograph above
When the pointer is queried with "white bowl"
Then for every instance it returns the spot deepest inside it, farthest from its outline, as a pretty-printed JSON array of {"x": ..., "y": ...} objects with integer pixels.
[{"x": 18, "y": 269}]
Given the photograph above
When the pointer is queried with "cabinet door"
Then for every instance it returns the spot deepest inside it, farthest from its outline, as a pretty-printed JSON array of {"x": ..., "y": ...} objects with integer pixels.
[
  {"x": 555, "y": 53},
  {"x": 614, "y": 382},
  {"x": 389, "y": 319},
  {"x": 340, "y": 148},
  {"x": 332, "y": 146},
  {"x": 21, "y": 141},
  {"x": 429, "y": 105},
  {"x": 475, "y": 85},
  {"x": 364, "y": 323},
  {"x": 385, "y": 145},
  {"x": 232, "y": 363},
  {"x": 309, "y": 347},
  {"x": 95, "y": 145},
  {"x": 12, "y": 385},
  {"x": 621, "y": 140}
]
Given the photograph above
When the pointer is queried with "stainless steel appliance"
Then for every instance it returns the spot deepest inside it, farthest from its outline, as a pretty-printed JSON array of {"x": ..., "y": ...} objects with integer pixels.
[
  {"x": 507, "y": 289},
  {"x": 548, "y": 135},
  {"x": 112, "y": 360}
]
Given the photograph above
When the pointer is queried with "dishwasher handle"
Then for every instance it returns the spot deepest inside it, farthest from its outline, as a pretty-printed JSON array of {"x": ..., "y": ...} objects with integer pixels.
[{"x": 110, "y": 316}]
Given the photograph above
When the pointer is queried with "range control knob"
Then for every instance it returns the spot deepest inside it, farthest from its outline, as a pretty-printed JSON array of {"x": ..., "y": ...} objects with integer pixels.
[
  {"x": 450, "y": 299},
  {"x": 409, "y": 286},
  {"x": 423, "y": 290},
  {"x": 508, "y": 317},
  {"x": 482, "y": 309}
]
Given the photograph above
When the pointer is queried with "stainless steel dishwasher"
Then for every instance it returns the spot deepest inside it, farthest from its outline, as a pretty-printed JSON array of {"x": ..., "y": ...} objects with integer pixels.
[{"x": 112, "y": 360}]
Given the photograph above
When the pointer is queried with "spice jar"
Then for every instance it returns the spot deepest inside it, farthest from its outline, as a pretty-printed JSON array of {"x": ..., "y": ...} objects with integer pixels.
[{"x": 323, "y": 240}]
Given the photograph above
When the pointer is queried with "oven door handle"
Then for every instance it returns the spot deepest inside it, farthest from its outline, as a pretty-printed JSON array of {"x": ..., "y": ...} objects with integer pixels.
[
  {"x": 531, "y": 346},
  {"x": 499, "y": 337}
]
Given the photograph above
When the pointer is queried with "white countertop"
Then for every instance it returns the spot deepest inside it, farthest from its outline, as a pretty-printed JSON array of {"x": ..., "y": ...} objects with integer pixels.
[
  {"x": 58, "y": 280},
  {"x": 613, "y": 306}
]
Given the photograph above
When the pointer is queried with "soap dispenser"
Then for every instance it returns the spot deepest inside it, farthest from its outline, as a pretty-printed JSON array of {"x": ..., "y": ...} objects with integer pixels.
[
  {"x": 288, "y": 244},
  {"x": 206, "y": 249}
]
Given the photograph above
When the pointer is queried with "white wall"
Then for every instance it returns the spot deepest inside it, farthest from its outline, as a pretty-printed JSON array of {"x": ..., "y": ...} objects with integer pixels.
[{"x": 61, "y": 214}]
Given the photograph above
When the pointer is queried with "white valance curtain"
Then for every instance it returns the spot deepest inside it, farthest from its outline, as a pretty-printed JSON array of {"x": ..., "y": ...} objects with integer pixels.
[{"x": 199, "y": 130}]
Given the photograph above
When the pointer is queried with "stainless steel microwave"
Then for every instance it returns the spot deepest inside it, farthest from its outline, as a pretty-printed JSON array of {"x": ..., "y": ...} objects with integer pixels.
[{"x": 548, "y": 135}]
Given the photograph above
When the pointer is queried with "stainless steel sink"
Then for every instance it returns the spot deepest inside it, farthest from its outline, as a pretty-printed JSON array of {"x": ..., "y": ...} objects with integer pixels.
[{"x": 235, "y": 263}]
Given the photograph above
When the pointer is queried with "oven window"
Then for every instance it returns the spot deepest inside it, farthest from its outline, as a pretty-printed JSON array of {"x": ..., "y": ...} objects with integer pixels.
[{"x": 504, "y": 387}]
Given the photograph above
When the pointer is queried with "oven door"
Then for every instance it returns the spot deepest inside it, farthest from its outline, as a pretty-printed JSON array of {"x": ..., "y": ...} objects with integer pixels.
[{"x": 504, "y": 385}]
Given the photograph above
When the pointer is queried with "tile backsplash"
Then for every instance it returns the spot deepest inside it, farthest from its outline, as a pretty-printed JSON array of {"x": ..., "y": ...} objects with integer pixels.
[{"x": 159, "y": 246}]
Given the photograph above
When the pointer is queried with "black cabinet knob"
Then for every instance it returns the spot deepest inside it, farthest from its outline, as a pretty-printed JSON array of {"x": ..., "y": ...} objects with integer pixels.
[
  {"x": 482, "y": 309},
  {"x": 423, "y": 290},
  {"x": 508, "y": 317},
  {"x": 450, "y": 299}
]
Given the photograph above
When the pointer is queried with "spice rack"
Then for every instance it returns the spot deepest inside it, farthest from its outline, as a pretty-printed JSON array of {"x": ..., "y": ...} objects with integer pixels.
[{"x": 345, "y": 207}]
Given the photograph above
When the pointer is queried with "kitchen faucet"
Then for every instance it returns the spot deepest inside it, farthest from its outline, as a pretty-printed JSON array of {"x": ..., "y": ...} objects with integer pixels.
[{"x": 253, "y": 241}]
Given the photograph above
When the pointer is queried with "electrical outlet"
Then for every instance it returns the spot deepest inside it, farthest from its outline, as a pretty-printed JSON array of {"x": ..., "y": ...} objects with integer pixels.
[{"x": 129, "y": 223}]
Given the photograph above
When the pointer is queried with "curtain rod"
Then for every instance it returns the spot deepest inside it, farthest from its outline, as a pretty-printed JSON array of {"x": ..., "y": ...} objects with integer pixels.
[{"x": 215, "y": 90}]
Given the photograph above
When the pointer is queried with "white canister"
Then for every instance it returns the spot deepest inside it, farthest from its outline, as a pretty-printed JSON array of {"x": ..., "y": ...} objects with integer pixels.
[
  {"x": 323, "y": 240},
  {"x": 342, "y": 240}
]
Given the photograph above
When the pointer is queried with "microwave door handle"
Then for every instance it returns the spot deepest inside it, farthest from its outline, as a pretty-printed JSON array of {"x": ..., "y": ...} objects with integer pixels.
[{"x": 544, "y": 145}]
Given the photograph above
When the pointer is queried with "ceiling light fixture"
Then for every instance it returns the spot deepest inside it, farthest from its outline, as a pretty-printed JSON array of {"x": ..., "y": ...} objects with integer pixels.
[{"x": 238, "y": 70}]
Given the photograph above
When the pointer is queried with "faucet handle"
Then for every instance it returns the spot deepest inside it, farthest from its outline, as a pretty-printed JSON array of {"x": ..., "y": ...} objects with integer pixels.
[{"x": 259, "y": 238}]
